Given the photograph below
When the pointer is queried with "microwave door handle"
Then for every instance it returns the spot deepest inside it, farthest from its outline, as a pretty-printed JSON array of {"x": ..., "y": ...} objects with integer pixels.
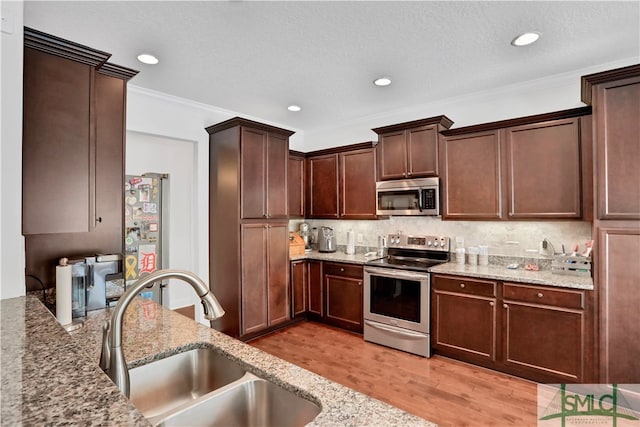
[{"x": 420, "y": 199}]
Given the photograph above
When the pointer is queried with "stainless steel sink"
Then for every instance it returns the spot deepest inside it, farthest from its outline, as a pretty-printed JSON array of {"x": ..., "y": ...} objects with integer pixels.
[
  {"x": 201, "y": 387},
  {"x": 166, "y": 384},
  {"x": 251, "y": 401}
]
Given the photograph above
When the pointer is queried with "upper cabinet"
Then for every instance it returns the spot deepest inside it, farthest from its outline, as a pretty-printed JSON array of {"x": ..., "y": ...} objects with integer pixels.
[
  {"x": 73, "y": 151},
  {"x": 263, "y": 168},
  {"x": 410, "y": 149},
  {"x": 527, "y": 168},
  {"x": 341, "y": 183},
  {"x": 295, "y": 184}
]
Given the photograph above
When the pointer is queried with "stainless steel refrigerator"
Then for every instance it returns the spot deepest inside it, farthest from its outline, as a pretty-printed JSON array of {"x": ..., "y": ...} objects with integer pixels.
[{"x": 145, "y": 231}]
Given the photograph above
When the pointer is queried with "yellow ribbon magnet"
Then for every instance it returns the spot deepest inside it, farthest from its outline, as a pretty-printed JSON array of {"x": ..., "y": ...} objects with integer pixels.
[{"x": 131, "y": 261}]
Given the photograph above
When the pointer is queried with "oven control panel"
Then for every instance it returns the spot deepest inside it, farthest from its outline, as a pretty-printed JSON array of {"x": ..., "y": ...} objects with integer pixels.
[{"x": 411, "y": 241}]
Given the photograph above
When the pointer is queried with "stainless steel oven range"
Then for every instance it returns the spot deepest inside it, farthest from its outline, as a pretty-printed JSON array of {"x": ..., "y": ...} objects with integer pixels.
[{"x": 397, "y": 292}]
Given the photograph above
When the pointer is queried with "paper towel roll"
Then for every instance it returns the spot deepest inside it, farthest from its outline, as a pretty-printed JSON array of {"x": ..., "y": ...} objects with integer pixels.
[
  {"x": 351, "y": 242},
  {"x": 63, "y": 294}
]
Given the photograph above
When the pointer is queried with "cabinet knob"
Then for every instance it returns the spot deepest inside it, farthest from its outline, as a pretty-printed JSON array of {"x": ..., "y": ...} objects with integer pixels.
[
  {"x": 341, "y": 269},
  {"x": 505, "y": 306},
  {"x": 408, "y": 173},
  {"x": 99, "y": 219},
  {"x": 462, "y": 285},
  {"x": 359, "y": 283},
  {"x": 491, "y": 303},
  {"x": 540, "y": 295}
]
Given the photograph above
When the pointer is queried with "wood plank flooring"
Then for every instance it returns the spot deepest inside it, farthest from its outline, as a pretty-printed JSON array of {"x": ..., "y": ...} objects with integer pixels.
[{"x": 445, "y": 391}]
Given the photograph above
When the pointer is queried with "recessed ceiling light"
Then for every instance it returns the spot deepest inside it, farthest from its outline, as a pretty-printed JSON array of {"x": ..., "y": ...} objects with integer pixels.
[
  {"x": 147, "y": 58},
  {"x": 294, "y": 108},
  {"x": 382, "y": 81},
  {"x": 525, "y": 39}
]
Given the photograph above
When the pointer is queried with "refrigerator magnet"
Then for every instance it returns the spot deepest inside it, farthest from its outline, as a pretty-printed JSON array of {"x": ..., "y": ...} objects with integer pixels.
[
  {"x": 149, "y": 208},
  {"x": 153, "y": 227},
  {"x": 131, "y": 200}
]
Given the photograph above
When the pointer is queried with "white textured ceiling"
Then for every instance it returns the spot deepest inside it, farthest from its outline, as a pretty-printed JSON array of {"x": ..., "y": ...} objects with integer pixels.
[{"x": 258, "y": 57}]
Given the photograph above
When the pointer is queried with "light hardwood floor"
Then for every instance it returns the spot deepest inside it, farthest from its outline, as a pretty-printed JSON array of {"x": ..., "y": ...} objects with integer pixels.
[{"x": 441, "y": 390}]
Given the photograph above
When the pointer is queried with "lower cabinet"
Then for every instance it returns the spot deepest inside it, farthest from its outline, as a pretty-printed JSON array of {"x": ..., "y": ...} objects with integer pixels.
[
  {"x": 536, "y": 332},
  {"x": 328, "y": 292},
  {"x": 265, "y": 276},
  {"x": 343, "y": 294}
]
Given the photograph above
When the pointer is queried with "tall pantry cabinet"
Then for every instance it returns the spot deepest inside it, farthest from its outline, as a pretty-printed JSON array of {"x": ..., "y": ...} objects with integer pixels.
[
  {"x": 72, "y": 151},
  {"x": 248, "y": 225},
  {"x": 615, "y": 98}
]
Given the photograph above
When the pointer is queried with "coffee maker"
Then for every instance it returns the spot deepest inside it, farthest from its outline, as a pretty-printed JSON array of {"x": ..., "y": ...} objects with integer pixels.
[{"x": 89, "y": 281}]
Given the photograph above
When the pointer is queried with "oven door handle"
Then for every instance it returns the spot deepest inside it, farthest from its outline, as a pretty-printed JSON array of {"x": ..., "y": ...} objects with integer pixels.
[
  {"x": 396, "y": 273},
  {"x": 397, "y": 331}
]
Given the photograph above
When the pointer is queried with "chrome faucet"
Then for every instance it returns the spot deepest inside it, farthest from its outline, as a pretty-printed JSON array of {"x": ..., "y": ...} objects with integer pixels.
[{"x": 112, "y": 357}]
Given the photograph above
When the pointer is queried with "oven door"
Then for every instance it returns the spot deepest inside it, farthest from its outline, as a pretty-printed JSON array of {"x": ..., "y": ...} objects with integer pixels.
[{"x": 397, "y": 297}]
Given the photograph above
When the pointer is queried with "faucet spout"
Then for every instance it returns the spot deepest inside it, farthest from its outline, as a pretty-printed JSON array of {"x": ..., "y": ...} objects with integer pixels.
[{"x": 112, "y": 357}]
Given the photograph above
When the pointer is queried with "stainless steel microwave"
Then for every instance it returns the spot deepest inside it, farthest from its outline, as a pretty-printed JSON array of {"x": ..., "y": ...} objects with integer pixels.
[{"x": 420, "y": 196}]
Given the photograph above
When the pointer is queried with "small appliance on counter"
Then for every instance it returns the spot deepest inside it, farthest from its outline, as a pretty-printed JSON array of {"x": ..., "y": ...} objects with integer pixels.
[
  {"x": 296, "y": 244},
  {"x": 326, "y": 240},
  {"x": 89, "y": 281},
  {"x": 305, "y": 234}
]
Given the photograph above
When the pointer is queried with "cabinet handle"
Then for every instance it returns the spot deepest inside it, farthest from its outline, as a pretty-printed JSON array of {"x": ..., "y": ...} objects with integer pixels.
[
  {"x": 505, "y": 306},
  {"x": 491, "y": 303},
  {"x": 540, "y": 295},
  {"x": 462, "y": 285}
]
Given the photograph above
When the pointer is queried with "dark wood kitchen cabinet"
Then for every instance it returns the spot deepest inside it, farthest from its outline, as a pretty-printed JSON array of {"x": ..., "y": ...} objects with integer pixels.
[
  {"x": 535, "y": 167},
  {"x": 315, "y": 293},
  {"x": 265, "y": 279},
  {"x": 263, "y": 169},
  {"x": 299, "y": 287},
  {"x": 464, "y": 322},
  {"x": 74, "y": 112},
  {"x": 541, "y": 333},
  {"x": 545, "y": 333},
  {"x": 296, "y": 184},
  {"x": 615, "y": 97},
  {"x": 410, "y": 149},
  {"x": 343, "y": 295},
  {"x": 341, "y": 183},
  {"x": 248, "y": 258}
]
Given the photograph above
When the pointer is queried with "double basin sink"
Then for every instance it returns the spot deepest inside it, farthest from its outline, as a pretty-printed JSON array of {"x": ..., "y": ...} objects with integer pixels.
[{"x": 201, "y": 387}]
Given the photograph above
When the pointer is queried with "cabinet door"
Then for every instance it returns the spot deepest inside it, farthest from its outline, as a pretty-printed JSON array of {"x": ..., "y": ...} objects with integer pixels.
[
  {"x": 277, "y": 154},
  {"x": 472, "y": 187},
  {"x": 299, "y": 287},
  {"x": 464, "y": 324},
  {"x": 422, "y": 152},
  {"x": 279, "y": 309},
  {"x": 316, "y": 298},
  {"x": 322, "y": 180},
  {"x": 543, "y": 342},
  {"x": 393, "y": 155},
  {"x": 543, "y": 170},
  {"x": 618, "y": 278},
  {"x": 358, "y": 184},
  {"x": 253, "y": 170},
  {"x": 254, "y": 278},
  {"x": 344, "y": 302},
  {"x": 110, "y": 129},
  {"x": 295, "y": 185},
  {"x": 616, "y": 130},
  {"x": 58, "y": 177}
]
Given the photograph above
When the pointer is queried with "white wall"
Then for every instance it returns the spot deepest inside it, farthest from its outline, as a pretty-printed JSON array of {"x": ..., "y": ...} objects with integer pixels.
[{"x": 12, "y": 242}]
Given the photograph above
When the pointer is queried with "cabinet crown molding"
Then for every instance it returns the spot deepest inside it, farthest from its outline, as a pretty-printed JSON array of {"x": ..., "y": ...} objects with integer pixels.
[
  {"x": 117, "y": 71},
  {"x": 64, "y": 48},
  {"x": 483, "y": 127},
  {"x": 342, "y": 149},
  {"x": 239, "y": 121},
  {"x": 443, "y": 121},
  {"x": 586, "y": 82}
]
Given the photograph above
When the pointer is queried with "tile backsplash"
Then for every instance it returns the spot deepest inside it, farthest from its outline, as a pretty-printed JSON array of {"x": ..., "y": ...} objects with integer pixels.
[{"x": 509, "y": 238}]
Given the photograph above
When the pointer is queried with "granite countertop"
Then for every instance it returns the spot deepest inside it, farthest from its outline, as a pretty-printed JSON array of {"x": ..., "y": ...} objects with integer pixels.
[
  {"x": 496, "y": 271},
  {"x": 500, "y": 272},
  {"x": 52, "y": 377}
]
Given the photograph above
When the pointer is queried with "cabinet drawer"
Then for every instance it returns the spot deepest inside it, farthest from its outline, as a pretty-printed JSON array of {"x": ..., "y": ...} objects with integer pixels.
[
  {"x": 544, "y": 295},
  {"x": 346, "y": 270},
  {"x": 465, "y": 285}
]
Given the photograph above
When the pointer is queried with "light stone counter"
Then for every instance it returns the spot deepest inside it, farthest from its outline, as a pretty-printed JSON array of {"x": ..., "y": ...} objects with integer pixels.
[
  {"x": 338, "y": 256},
  {"x": 50, "y": 377},
  {"x": 500, "y": 272}
]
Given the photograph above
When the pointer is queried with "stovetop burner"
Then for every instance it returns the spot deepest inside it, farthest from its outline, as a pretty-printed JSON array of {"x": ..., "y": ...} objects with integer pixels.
[{"x": 416, "y": 253}]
